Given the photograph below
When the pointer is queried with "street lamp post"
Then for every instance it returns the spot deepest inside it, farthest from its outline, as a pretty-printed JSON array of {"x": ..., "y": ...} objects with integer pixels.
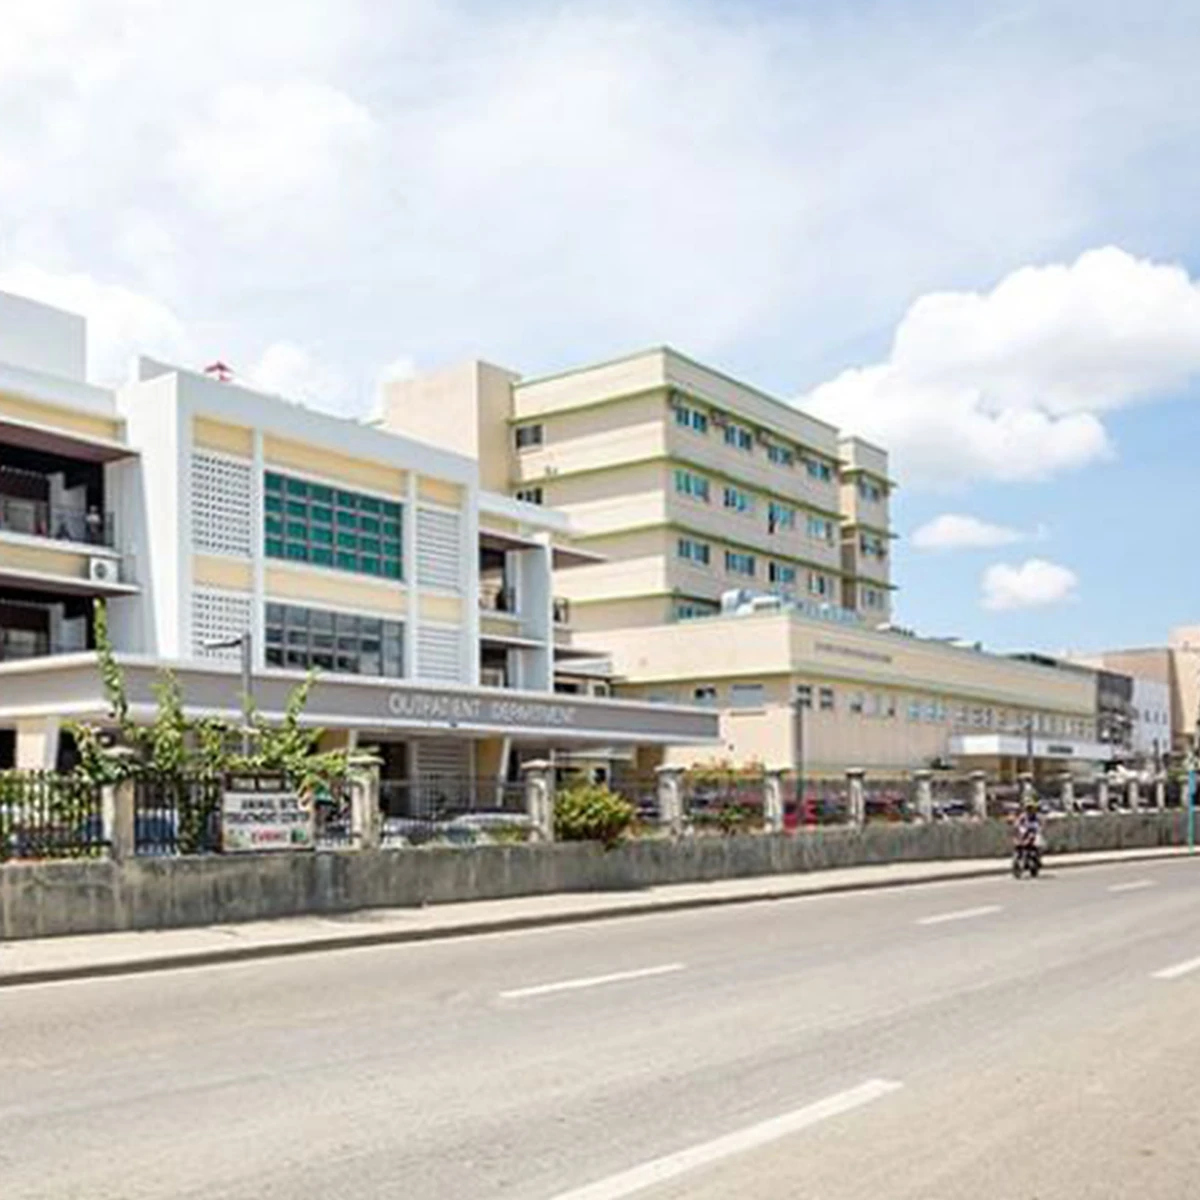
[{"x": 245, "y": 643}]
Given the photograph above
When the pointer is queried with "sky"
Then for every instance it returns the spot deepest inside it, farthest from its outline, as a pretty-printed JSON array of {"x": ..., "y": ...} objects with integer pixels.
[{"x": 964, "y": 230}]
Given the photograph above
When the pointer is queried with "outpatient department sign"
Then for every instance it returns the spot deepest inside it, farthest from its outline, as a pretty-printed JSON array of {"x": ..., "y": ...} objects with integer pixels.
[{"x": 471, "y": 710}]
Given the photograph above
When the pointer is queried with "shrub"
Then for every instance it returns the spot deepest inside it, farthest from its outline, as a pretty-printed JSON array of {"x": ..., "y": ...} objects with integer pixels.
[{"x": 590, "y": 812}]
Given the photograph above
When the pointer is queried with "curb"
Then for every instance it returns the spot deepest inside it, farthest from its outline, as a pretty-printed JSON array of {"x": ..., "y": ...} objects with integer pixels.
[{"x": 477, "y": 928}]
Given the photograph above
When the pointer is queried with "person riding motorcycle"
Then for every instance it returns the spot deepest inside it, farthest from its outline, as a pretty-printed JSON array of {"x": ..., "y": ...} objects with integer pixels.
[{"x": 1028, "y": 829}]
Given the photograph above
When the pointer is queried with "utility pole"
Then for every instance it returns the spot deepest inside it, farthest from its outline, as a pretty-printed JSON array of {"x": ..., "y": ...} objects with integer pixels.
[{"x": 1029, "y": 745}]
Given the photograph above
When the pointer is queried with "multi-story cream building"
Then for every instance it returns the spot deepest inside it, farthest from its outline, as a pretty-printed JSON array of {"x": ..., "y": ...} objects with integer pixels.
[
  {"x": 705, "y": 498},
  {"x": 212, "y": 517},
  {"x": 685, "y": 483}
]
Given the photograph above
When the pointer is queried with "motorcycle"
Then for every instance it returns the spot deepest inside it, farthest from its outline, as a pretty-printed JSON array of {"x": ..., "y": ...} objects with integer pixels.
[{"x": 1027, "y": 858}]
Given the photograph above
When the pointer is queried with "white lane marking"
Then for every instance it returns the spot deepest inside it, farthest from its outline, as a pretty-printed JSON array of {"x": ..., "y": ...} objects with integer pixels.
[
  {"x": 660, "y": 1170},
  {"x": 1135, "y": 885},
  {"x": 1183, "y": 968},
  {"x": 574, "y": 985},
  {"x": 962, "y": 914}
]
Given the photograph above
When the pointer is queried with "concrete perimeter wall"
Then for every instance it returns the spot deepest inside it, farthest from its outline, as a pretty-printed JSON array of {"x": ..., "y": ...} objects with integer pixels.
[{"x": 53, "y": 898}]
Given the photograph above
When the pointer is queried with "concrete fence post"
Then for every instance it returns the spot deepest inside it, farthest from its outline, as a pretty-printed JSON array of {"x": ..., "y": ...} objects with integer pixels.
[
  {"x": 669, "y": 786},
  {"x": 773, "y": 800},
  {"x": 923, "y": 780},
  {"x": 1133, "y": 793},
  {"x": 117, "y": 813},
  {"x": 1102, "y": 792},
  {"x": 1067, "y": 781},
  {"x": 539, "y": 798},
  {"x": 1160, "y": 792},
  {"x": 856, "y": 786},
  {"x": 979, "y": 807},
  {"x": 365, "y": 817}
]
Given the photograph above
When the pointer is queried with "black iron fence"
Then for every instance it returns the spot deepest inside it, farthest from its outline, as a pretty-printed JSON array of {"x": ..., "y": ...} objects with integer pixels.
[
  {"x": 457, "y": 809},
  {"x": 177, "y": 815},
  {"x": 50, "y": 816}
]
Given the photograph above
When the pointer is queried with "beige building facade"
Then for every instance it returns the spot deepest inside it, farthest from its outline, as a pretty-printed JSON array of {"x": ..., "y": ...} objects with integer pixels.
[
  {"x": 686, "y": 483},
  {"x": 802, "y": 693}
]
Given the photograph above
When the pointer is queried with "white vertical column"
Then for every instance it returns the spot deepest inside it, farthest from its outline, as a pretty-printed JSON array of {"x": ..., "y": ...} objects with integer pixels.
[
  {"x": 258, "y": 571},
  {"x": 408, "y": 559},
  {"x": 179, "y": 644},
  {"x": 469, "y": 584}
]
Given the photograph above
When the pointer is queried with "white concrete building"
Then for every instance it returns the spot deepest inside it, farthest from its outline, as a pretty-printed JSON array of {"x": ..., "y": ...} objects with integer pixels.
[{"x": 204, "y": 511}]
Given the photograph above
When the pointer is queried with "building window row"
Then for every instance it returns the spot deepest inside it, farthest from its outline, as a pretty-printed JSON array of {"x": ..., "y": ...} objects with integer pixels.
[
  {"x": 744, "y": 565},
  {"x": 872, "y": 545},
  {"x": 330, "y": 527},
  {"x": 305, "y": 639},
  {"x": 779, "y": 453},
  {"x": 739, "y": 563},
  {"x": 692, "y": 610},
  {"x": 873, "y": 598},
  {"x": 529, "y": 436},
  {"x": 693, "y": 550},
  {"x": 738, "y": 499},
  {"x": 531, "y": 495},
  {"x": 781, "y": 517},
  {"x": 871, "y": 491},
  {"x": 688, "y": 483}
]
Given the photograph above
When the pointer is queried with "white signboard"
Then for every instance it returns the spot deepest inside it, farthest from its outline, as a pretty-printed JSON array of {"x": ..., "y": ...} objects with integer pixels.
[{"x": 265, "y": 821}]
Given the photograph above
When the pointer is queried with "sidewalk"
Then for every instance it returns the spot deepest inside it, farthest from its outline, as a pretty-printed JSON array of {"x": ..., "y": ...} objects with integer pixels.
[{"x": 52, "y": 959}]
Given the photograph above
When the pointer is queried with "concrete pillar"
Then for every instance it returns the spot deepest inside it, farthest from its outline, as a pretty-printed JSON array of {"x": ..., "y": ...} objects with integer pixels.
[
  {"x": 1102, "y": 792},
  {"x": 856, "y": 785},
  {"x": 923, "y": 780},
  {"x": 37, "y": 743},
  {"x": 118, "y": 804},
  {"x": 1133, "y": 793},
  {"x": 773, "y": 800},
  {"x": 979, "y": 805},
  {"x": 1027, "y": 791},
  {"x": 1068, "y": 791},
  {"x": 539, "y": 798},
  {"x": 1160, "y": 792},
  {"x": 365, "y": 819},
  {"x": 669, "y": 781}
]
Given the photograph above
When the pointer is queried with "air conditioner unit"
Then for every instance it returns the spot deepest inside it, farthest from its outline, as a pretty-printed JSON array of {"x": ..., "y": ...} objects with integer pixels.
[{"x": 103, "y": 570}]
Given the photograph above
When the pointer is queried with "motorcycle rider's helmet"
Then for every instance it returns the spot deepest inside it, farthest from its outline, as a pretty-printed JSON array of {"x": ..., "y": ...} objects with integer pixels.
[{"x": 1031, "y": 805}]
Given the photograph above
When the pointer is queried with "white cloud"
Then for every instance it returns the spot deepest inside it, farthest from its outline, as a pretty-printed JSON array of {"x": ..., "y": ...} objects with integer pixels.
[
  {"x": 549, "y": 183},
  {"x": 294, "y": 372},
  {"x": 1036, "y": 583},
  {"x": 269, "y": 152},
  {"x": 121, "y": 323},
  {"x": 955, "y": 531},
  {"x": 1011, "y": 385}
]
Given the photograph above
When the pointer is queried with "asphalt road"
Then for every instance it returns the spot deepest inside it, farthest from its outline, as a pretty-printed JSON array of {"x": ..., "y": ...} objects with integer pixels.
[{"x": 1034, "y": 1041}]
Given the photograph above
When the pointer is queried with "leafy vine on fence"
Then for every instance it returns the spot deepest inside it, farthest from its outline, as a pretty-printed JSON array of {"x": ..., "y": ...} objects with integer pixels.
[{"x": 172, "y": 745}]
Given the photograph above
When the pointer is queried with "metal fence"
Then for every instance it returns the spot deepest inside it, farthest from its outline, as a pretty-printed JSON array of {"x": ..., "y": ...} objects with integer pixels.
[
  {"x": 888, "y": 799},
  {"x": 724, "y": 804},
  {"x": 49, "y": 816},
  {"x": 819, "y": 802},
  {"x": 451, "y": 808},
  {"x": 174, "y": 815}
]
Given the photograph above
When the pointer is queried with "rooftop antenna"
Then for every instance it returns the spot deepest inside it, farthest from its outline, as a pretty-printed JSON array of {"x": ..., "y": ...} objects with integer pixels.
[{"x": 221, "y": 372}]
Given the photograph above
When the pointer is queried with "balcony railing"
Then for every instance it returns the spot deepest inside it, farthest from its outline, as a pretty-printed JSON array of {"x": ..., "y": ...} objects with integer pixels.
[
  {"x": 19, "y": 644},
  {"x": 497, "y": 598},
  {"x": 37, "y": 518}
]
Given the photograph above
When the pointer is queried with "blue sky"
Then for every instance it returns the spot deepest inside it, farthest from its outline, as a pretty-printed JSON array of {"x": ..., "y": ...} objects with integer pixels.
[{"x": 966, "y": 229}]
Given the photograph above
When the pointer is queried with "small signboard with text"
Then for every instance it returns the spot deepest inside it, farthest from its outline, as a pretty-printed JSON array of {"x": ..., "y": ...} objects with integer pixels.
[{"x": 261, "y": 813}]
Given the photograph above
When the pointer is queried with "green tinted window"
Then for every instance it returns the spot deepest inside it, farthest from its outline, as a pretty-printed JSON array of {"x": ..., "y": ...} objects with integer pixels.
[{"x": 331, "y": 527}]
